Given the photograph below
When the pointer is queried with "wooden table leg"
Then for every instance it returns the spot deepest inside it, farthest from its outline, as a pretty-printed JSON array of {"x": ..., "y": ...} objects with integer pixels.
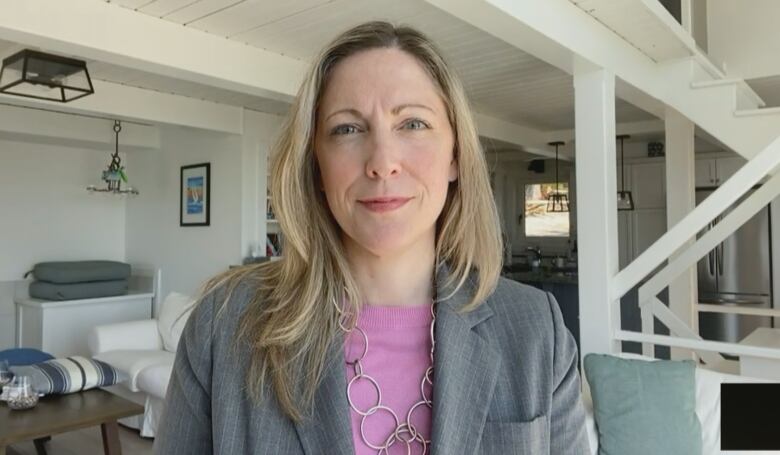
[{"x": 110, "y": 432}]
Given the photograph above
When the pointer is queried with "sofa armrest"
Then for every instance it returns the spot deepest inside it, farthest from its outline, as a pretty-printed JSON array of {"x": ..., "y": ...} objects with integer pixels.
[{"x": 134, "y": 335}]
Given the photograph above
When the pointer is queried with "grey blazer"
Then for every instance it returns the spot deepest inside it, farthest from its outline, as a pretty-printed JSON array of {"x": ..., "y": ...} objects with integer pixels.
[{"x": 505, "y": 382}]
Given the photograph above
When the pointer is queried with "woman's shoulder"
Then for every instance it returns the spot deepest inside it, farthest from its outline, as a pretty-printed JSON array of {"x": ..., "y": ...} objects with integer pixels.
[
  {"x": 222, "y": 303},
  {"x": 514, "y": 299},
  {"x": 526, "y": 316}
]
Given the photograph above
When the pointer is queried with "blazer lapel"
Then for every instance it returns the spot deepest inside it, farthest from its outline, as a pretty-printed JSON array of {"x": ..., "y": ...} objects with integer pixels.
[
  {"x": 329, "y": 430},
  {"x": 465, "y": 371}
]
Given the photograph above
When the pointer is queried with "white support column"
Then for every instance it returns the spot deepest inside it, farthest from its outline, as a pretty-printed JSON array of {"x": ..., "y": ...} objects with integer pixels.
[
  {"x": 680, "y": 200},
  {"x": 594, "y": 100},
  {"x": 686, "y": 15}
]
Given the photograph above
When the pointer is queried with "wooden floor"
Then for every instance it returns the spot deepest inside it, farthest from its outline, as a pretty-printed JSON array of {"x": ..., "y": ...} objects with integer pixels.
[{"x": 87, "y": 442}]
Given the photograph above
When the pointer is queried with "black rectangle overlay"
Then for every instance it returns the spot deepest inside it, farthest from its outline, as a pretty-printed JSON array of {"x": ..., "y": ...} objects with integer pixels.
[{"x": 750, "y": 416}]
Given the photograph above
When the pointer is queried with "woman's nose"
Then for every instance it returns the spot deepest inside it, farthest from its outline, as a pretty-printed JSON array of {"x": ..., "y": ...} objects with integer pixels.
[{"x": 383, "y": 158}]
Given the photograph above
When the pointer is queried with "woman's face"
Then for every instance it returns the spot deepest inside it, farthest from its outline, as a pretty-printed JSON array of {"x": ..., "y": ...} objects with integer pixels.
[{"x": 384, "y": 146}]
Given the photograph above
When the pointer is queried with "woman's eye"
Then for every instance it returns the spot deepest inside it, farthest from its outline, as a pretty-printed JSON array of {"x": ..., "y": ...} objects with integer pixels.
[
  {"x": 416, "y": 124},
  {"x": 344, "y": 129}
]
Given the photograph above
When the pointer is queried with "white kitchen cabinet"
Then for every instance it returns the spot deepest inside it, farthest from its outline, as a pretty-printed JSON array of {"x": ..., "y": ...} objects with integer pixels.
[
  {"x": 715, "y": 171},
  {"x": 639, "y": 228},
  {"x": 705, "y": 172},
  {"x": 648, "y": 185},
  {"x": 648, "y": 225}
]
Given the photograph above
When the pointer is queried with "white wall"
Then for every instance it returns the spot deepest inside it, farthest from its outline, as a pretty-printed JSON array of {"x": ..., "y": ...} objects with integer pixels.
[
  {"x": 700, "y": 22},
  {"x": 745, "y": 36},
  {"x": 186, "y": 255},
  {"x": 47, "y": 214},
  {"x": 260, "y": 133}
]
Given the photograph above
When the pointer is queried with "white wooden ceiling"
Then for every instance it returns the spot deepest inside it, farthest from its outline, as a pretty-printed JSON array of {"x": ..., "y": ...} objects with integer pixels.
[{"x": 501, "y": 80}]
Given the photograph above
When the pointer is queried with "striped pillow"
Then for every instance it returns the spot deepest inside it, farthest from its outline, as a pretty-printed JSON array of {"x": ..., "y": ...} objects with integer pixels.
[{"x": 68, "y": 375}]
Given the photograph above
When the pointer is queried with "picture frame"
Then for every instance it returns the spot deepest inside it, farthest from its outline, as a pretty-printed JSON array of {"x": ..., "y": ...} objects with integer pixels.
[{"x": 195, "y": 195}]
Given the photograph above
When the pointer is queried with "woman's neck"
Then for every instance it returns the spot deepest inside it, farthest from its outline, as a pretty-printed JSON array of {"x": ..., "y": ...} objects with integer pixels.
[{"x": 402, "y": 279}]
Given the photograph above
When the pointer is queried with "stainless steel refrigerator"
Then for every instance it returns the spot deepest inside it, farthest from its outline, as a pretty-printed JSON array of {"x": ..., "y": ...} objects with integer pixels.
[{"x": 736, "y": 272}]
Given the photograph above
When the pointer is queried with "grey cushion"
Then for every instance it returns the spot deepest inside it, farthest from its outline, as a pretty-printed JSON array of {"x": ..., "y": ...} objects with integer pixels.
[
  {"x": 80, "y": 271},
  {"x": 95, "y": 289}
]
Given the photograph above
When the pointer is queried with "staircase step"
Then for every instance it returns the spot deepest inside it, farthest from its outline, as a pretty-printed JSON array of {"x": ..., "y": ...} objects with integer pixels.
[
  {"x": 757, "y": 112},
  {"x": 747, "y": 98},
  {"x": 714, "y": 83}
]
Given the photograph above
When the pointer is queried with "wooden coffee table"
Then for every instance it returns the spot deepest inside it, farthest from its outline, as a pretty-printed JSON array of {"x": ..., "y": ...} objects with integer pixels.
[{"x": 62, "y": 413}]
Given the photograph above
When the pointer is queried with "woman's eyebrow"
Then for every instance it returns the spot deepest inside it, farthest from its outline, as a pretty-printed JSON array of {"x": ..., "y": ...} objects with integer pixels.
[
  {"x": 352, "y": 111},
  {"x": 401, "y": 107},
  {"x": 396, "y": 110}
]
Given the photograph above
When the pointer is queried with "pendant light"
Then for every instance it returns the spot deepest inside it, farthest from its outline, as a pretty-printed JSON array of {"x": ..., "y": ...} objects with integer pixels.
[
  {"x": 556, "y": 200},
  {"x": 115, "y": 174},
  {"x": 624, "y": 199},
  {"x": 45, "y": 76}
]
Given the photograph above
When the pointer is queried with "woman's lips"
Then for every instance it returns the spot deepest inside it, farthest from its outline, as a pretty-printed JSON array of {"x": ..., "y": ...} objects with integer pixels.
[{"x": 384, "y": 204}]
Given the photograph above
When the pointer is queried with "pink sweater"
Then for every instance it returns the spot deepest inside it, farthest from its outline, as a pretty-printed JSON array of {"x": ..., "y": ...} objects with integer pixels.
[{"x": 399, "y": 349}]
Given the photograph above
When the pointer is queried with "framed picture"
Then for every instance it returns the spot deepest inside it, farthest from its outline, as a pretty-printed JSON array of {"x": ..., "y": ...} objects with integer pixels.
[{"x": 195, "y": 195}]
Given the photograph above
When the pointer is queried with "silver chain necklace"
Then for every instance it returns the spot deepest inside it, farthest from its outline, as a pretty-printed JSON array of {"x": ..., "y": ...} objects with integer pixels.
[{"x": 401, "y": 428}]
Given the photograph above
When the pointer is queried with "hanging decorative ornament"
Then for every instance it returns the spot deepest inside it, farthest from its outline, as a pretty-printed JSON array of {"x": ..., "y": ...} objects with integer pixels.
[{"x": 115, "y": 174}]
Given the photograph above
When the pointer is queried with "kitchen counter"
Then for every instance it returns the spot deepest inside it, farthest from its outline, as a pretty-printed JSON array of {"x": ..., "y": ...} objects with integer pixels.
[{"x": 543, "y": 276}]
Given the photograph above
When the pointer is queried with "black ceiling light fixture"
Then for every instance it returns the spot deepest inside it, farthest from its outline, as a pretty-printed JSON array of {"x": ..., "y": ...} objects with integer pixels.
[
  {"x": 624, "y": 199},
  {"x": 557, "y": 201},
  {"x": 34, "y": 74}
]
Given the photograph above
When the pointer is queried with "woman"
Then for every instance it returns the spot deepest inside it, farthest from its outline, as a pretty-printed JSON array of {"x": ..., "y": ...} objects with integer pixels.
[{"x": 386, "y": 327}]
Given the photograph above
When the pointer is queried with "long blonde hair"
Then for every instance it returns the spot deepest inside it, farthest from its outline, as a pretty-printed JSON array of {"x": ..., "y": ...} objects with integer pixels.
[{"x": 293, "y": 319}]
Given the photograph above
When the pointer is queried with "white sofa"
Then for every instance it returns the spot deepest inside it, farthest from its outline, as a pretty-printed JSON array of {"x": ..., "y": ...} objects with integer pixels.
[
  {"x": 707, "y": 408},
  {"x": 144, "y": 351}
]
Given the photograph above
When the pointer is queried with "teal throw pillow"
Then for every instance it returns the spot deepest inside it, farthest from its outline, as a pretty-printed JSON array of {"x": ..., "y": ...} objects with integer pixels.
[{"x": 644, "y": 407}]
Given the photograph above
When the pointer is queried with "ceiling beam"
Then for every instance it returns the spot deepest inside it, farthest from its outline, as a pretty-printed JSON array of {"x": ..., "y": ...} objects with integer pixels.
[
  {"x": 42, "y": 126},
  {"x": 632, "y": 128},
  {"x": 523, "y": 137},
  {"x": 123, "y": 102}
]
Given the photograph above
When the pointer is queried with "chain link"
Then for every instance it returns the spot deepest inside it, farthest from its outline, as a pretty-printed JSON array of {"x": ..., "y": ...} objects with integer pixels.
[
  {"x": 116, "y": 162},
  {"x": 401, "y": 428}
]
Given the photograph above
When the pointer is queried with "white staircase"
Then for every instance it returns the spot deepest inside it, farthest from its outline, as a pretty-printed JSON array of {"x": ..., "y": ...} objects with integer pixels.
[
  {"x": 731, "y": 112},
  {"x": 726, "y": 108},
  {"x": 659, "y": 66}
]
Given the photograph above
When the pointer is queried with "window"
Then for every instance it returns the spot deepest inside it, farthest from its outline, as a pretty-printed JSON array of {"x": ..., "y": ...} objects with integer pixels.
[{"x": 538, "y": 221}]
